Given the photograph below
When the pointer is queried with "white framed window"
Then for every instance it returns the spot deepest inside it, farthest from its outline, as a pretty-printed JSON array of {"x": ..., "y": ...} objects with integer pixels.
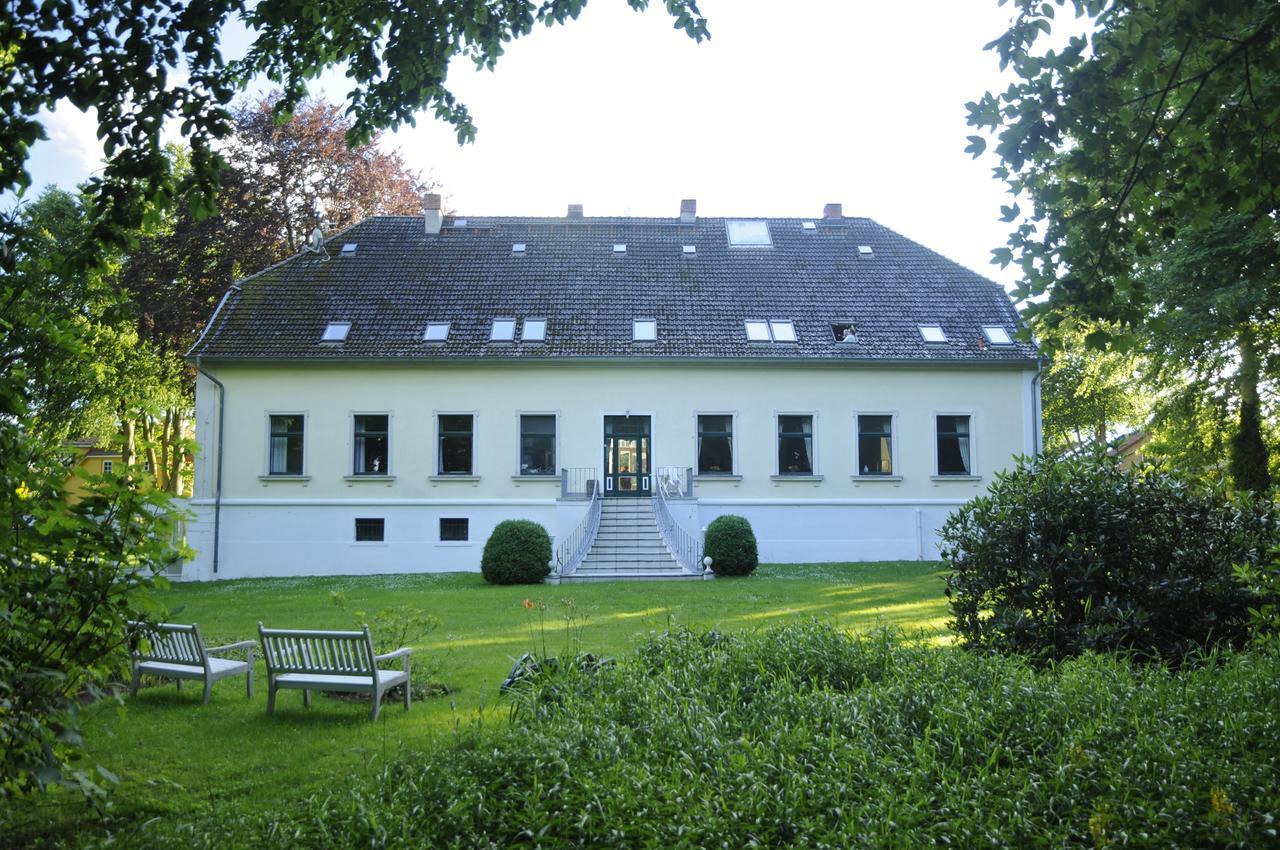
[
  {"x": 783, "y": 331},
  {"x": 336, "y": 332},
  {"x": 538, "y": 433},
  {"x": 796, "y": 444},
  {"x": 619, "y": 247},
  {"x": 436, "y": 332},
  {"x": 689, "y": 250},
  {"x": 954, "y": 449},
  {"x": 503, "y": 330},
  {"x": 286, "y": 443},
  {"x": 773, "y": 330},
  {"x": 758, "y": 331},
  {"x": 517, "y": 247},
  {"x": 348, "y": 249},
  {"x": 456, "y": 433},
  {"x": 716, "y": 449},
  {"x": 533, "y": 330},
  {"x": 997, "y": 335},
  {"x": 644, "y": 330},
  {"x": 371, "y": 443},
  {"x": 107, "y": 466},
  {"x": 749, "y": 233},
  {"x": 932, "y": 333},
  {"x": 875, "y": 443},
  {"x": 808, "y": 225}
]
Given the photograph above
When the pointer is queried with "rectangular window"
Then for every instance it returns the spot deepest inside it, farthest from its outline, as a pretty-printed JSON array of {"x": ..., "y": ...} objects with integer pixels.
[
  {"x": 795, "y": 445},
  {"x": 371, "y": 433},
  {"x": 715, "y": 444},
  {"x": 370, "y": 530},
  {"x": 286, "y": 445},
  {"x": 749, "y": 233},
  {"x": 456, "y": 433},
  {"x": 644, "y": 330},
  {"x": 954, "y": 446},
  {"x": 107, "y": 466},
  {"x": 538, "y": 445},
  {"x": 534, "y": 330},
  {"x": 503, "y": 330},
  {"x": 875, "y": 445},
  {"x": 452, "y": 529}
]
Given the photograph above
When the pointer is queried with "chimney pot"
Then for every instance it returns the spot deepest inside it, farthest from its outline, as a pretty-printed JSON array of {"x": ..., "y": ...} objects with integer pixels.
[
  {"x": 688, "y": 210},
  {"x": 431, "y": 214},
  {"x": 431, "y": 202},
  {"x": 832, "y": 211},
  {"x": 575, "y": 211}
]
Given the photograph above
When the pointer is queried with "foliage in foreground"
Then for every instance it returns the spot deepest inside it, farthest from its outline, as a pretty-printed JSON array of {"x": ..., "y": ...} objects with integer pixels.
[
  {"x": 517, "y": 552},
  {"x": 1068, "y": 555},
  {"x": 731, "y": 545},
  {"x": 804, "y": 737}
]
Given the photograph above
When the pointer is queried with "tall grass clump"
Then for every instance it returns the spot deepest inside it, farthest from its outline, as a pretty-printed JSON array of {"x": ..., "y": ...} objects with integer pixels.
[{"x": 802, "y": 736}]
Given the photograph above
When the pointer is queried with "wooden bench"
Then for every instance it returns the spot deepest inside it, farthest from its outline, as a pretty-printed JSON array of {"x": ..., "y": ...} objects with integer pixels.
[
  {"x": 177, "y": 651},
  {"x": 329, "y": 661}
]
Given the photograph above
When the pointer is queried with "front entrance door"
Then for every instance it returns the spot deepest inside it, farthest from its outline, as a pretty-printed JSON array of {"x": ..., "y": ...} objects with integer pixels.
[{"x": 626, "y": 456}]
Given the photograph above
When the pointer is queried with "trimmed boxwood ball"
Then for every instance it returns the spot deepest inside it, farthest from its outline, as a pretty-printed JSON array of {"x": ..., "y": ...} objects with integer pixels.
[
  {"x": 517, "y": 552},
  {"x": 731, "y": 545}
]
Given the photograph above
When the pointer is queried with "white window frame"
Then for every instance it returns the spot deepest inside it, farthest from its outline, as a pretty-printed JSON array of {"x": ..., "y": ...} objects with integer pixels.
[
  {"x": 814, "y": 471},
  {"x": 524, "y": 323},
  {"x": 439, "y": 474},
  {"x": 107, "y": 466},
  {"x": 894, "y": 447},
  {"x": 734, "y": 473},
  {"x": 987, "y": 331},
  {"x": 520, "y": 414},
  {"x": 635, "y": 329},
  {"x": 790, "y": 323},
  {"x": 974, "y": 474},
  {"x": 306, "y": 443},
  {"x": 925, "y": 336},
  {"x": 729, "y": 228},
  {"x": 333, "y": 326},
  {"x": 447, "y": 325},
  {"x": 350, "y": 462},
  {"x": 768, "y": 334},
  {"x": 493, "y": 329}
]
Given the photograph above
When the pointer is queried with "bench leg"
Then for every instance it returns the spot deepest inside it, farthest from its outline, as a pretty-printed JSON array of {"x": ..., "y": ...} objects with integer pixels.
[
  {"x": 306, "y": 699},
  {"x": 249, "y": 687},
  {"x": 178, "y": 682},
  {"x": 208, "y": 690},
  {"x": 407, "y": 696},
  {"x": 271, "y": 696},
  {"x": 137, "y": 679},
  {"x": 377, "y": 702}
]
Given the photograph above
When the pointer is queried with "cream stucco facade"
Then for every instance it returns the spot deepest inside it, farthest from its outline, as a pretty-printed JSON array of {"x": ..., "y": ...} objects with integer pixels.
[{"x": 302, "y": 524}]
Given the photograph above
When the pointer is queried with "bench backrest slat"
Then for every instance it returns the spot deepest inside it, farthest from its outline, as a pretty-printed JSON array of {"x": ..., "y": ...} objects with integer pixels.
[
  {"x": 320, "y": 652},
  {"x": 170, "y": 643}
]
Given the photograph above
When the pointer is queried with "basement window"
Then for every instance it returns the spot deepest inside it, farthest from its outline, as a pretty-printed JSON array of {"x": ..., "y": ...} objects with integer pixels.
[
  {"x": 454, "y": 529},
  {"x": 503, "y": 330},
  {"x": 371, "y": 529},
  {"x": 932, "y": 333},
  {"x": 336, "y": 332},
  {"x": 644, "y": 330},
  {"x": 436, "y": 332},
  {"x": 749, "y": 233},
  {"x": 997, "y": 335},
  {"x": 534, "y": 330}
]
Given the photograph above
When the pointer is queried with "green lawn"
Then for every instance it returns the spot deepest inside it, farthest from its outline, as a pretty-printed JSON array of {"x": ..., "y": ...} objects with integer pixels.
[{"x": 173, "y": 754}]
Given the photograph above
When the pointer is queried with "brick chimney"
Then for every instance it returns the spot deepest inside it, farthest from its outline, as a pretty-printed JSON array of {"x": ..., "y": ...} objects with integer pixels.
[
  {"x": 575, "y": 211},
  {"x": 431, "y": 214},
  {"x": 688, "y": 211},
  {"x": 832, "y": 211}
]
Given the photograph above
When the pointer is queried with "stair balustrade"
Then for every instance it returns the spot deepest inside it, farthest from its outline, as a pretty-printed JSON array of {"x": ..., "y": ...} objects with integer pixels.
[
  {"x": 685, "y": 547},
  {"x": 571, "y": 551}
]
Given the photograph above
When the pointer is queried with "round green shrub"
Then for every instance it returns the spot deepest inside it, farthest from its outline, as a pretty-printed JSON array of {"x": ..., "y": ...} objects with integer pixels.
[
  {"x": 518, "y": 552},
  {"x": 1070, "y": 555},
  {"x": 731, "y": 544}
]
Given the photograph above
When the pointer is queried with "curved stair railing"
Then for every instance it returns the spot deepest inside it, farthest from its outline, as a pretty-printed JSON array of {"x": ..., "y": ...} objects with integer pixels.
[
  {"x": 685, "y": 547},
  {"x": 571, "y": 551}
]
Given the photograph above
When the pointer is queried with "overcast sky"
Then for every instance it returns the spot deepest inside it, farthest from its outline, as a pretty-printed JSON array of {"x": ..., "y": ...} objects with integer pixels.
[{"x": 788, "y": 106}]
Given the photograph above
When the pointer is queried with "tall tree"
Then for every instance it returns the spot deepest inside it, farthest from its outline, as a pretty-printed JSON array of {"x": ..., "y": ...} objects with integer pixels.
[
  {"x": 1090, "y": 394},
  {"x": 1130, "y": 144}
]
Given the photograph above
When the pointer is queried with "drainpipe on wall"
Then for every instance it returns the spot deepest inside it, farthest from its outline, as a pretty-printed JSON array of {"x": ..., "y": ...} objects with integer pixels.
[
  {"x": 1036, "y": 411},
  {"x": 217, "y": 478}
]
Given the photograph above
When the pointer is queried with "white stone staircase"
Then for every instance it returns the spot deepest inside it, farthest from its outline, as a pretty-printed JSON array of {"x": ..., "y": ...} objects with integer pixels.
[{"x": 628, "y": 546}]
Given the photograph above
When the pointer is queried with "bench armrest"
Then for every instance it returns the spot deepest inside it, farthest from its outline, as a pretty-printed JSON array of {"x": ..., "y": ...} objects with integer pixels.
[
  {"x": 243, "y": 644},
  {"x": 402, "y": 652}
]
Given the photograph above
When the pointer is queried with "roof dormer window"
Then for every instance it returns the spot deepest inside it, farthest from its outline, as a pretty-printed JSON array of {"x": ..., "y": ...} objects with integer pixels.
[
  {"x": 932, "y": 333},
  {"x": 997, "y": 335},
  {"x": 749, "y": 233},
  {"x": 533, "y": 330},
  {"x": 644, "y": 330},
  {"x": 503, "y": 330},
  {"x": 336, "y": 332},
  {"x": 436, "y": 332}
]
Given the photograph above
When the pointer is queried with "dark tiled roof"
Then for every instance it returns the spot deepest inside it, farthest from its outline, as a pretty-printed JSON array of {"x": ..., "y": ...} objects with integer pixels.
[{"x": 399, "y": 278}]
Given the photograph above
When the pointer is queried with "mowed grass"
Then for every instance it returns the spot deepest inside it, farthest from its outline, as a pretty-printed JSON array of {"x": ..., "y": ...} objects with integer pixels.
[{"x": 175, "y": 756}]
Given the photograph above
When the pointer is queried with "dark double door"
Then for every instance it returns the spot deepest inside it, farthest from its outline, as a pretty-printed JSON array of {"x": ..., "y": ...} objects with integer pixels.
[{"x": 628, "y": 445}]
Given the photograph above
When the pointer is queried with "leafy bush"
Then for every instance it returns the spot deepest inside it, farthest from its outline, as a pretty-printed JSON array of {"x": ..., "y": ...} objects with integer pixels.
[
  {"x": 1263, "y": 578},
  {"x": 805, "y": 737},
  {"x": 731, "y": 545},
  {"x": 1064, "y": 556},
  {"x": 518, "y": 552}
]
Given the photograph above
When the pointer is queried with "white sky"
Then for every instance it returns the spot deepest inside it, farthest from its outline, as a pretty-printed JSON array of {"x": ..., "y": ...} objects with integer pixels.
[{"x": 787, "y": 107}]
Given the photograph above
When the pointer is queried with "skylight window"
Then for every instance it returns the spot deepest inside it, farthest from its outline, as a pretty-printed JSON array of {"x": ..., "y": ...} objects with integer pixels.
[
  {"x": 436, "y": 332},
  {"x": 534, "y": 330},
  {"x": 865, "y": 250},
  {"x": 336, "y": 332},
  {"x": 997, "y": 335},
  {"x": 348, "y": 249},
  {"x": 932, "y": 333},
  {"x": 809, "y": 225},
  {"x": 782, "y": 330},
  {"x": 689, "y": 250},
  {"x": 644, "y": 330},
  {"x": 619, "y": 247},
  {"x": 459, "y": 222},
  {"x": 504, "y": 330},
  {"x": 517, "y": 247},
  {"x": 749, "y": 233}
]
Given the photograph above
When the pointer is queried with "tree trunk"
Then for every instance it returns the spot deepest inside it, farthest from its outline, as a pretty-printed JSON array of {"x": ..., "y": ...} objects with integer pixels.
[
  {"x": 177, "y": 454},
  {"x": 1248, "y": 451},
  {"x": 1100, "y": 432},
  {"x": 149, "y": 446},
  {"x": 162, "y": 471},
  {"x": 129, "y": 451}
]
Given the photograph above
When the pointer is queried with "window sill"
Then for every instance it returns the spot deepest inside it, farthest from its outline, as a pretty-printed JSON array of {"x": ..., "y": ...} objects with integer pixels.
[
  {"x": 280, "y": 477},
  {"x": 795, "y": 477},
  {"x": 472, "y": 478},
  {"x": 452, "y": 544},
  {"x": 546, "y": 479},
  {"x": 384, "y": 479},
  {"x": 715, "y": 476},
  {"x": 955, "y": 477},
  {"x": 861, "y": 478}
]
